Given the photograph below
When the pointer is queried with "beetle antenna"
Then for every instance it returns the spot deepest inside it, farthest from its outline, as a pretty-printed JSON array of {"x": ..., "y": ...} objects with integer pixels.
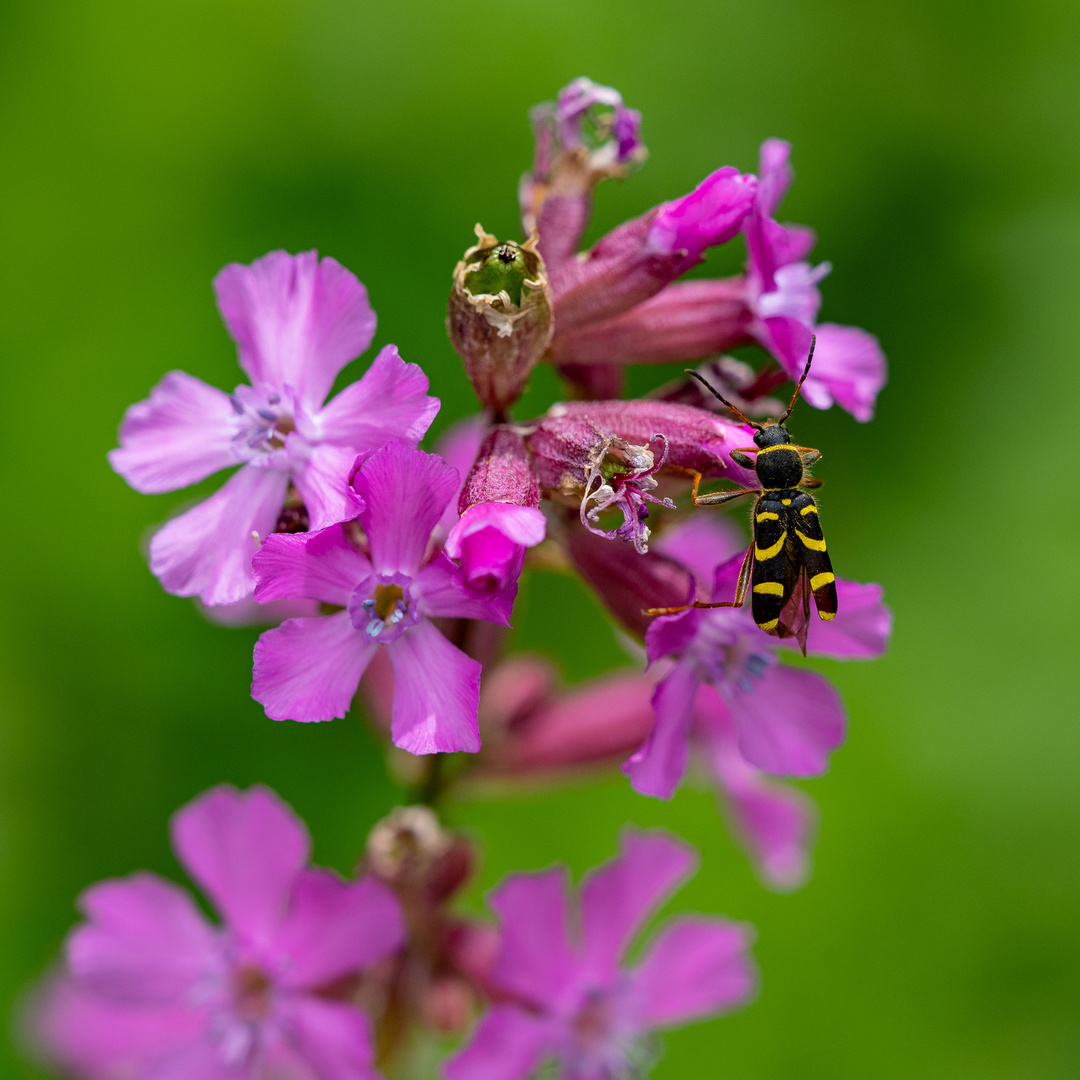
[
  {"x": 716, "y": 393},
  {"x": 798, "y": 385}
]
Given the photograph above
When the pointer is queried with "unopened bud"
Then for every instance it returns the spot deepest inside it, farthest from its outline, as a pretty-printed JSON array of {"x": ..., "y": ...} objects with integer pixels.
[
  {"x": 406, "y": 844},
  {"x": 499, "y": 317},
  {"x": 500, "y": 515}
]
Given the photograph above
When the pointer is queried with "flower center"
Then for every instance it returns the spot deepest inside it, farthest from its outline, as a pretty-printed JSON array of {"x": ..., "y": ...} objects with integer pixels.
[
  {"x": 263, "y": 420},
  {"x": 251, "y": 991},
  {"x": 387, "y": 606}
]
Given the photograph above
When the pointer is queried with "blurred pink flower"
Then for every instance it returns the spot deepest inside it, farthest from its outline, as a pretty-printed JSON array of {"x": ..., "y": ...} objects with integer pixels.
[
  {"x": 559, "y": 969},
  {"x": 297, "y": 322},
  {"x": 152, "y": 991}
]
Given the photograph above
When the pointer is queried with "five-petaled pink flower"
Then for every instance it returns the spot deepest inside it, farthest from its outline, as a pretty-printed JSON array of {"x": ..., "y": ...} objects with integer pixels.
[
  {"x": 390, "y": 587},
  {"x": 152, "y": 991},
  {"x": 562, "y": 989},
  {"x": 297, "y": 322},
  {"x": 784, "y": 720}
]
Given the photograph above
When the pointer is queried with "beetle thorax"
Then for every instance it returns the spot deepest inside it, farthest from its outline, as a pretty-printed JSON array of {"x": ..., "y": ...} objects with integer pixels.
[{"x": 779, "y": 466}]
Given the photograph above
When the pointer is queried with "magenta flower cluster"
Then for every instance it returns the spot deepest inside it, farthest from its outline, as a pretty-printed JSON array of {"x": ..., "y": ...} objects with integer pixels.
[{"x": 393, "y": 571}]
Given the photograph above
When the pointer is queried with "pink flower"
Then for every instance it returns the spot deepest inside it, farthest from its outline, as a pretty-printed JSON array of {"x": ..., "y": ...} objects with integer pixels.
[
  {"x": 782, "y": 290},
  {"x": 309, "y": 669},
  {"x": 297, "y": 322},
  {"x": 152, "y": 991},
  {"x": 566, "y": 994},
  {"x": 785, "y": 720}
]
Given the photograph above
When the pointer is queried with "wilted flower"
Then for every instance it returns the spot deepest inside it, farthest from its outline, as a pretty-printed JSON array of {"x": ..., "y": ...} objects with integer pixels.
[
  {"x": 565, "y": 995},
  {"x": 586, "y": 136},
  {"x": 499, "y": 317},
  {"x": 152, "y": 991},
  {"x": 297, "y": 322},
  {"x": 309, "y": 669},
  {"x": 598, "y": 456}
]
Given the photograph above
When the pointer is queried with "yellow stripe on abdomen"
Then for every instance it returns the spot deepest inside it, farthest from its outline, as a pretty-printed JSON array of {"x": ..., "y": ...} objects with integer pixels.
[
  {"x": 821, "y": 579},
  {"x": 811, "y": 509},
  {"x": 770, "y": 625},
  {"x": 769, "y": 588},
  {"x": 813, "y": 545},
  {"x": 770, "y": 552},
  {"x": 826, "y": 616},
  {"x": 767, "y": 515}
]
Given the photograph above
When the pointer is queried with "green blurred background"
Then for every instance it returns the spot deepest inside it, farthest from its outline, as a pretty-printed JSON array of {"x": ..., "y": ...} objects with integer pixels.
[{"x": 937, "y": 147}]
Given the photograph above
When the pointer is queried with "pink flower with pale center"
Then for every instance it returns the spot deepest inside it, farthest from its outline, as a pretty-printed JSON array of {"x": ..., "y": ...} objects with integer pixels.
[
  {"x": 390, "y": 585},
  {"x": 566, "y": 993},
  {"x": 297, "y": 322},
  {"x": 153, "y": 991}
]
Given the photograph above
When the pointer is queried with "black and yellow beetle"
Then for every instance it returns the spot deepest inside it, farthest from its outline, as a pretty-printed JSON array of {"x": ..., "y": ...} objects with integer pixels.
[{"x": 788, "y": 559}]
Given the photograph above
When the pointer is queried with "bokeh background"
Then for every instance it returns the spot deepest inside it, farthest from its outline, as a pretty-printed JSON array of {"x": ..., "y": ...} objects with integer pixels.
[{"x": 937, "y": 150}]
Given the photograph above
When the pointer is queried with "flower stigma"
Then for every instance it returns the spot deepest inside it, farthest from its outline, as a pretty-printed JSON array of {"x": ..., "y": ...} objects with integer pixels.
[{"x": 386, "y": 607}]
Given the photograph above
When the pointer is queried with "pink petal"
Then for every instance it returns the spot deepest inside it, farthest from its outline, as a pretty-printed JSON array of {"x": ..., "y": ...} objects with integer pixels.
[
  {"x": 774, "y": 175},
  {"x": 789, "y": 722},
  {"x": 321, "y": 565},
  {"x": 333, "y": 1038},
  {"x": 490, "y": 540},
  {"x": 862, "y": 626},
  {"x": 436, "y": 694},
  {"x": 849, "y": 369},
  {"x": 245, "y": 849},
  {"x": 389, "y": 401},
  {"x": 180, "y": 435},
  {"x": 710, "y": 214},
  {"x": 534, "y": 958},
  {"x": 207, "y": 551},
  {"x": 323, "y": 483},
  {"x": 772, "y": 246},
  {"x": 788, "y": 339},
  {"x": 203, "y": 1059},
  {"x": 404, "y": 493},
  {"x": 336, "y": 927},
  {"x": 442, "y": 592},
  {"x": 774, "y": 822},
  {"x": 91, "y": 1037},
  {"x": 309, "y": 669},
  {"x": 695, "y": 968},
  {"x": 145, "y": 942},
  {"x": 618, "y": 897},
  {"x": 671, "y": 635},
  {"x": 507, "y": 1044},
  {"x": 297, "y": 321},
  {"x": 659, "y": 766},
  {"x": 524, "y": 525},
  {"x": 701, "y": 543}
]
